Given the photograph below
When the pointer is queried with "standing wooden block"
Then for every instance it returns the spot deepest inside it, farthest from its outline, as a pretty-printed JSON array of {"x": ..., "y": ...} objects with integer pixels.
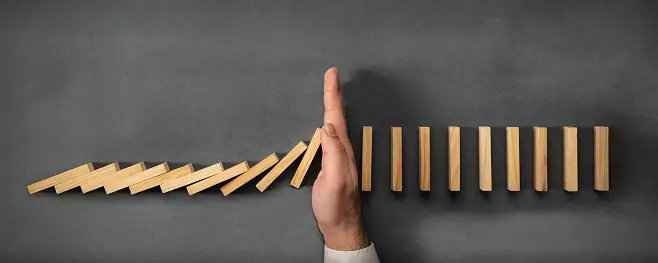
[
  {"x": 131, "y": 180},
  {"x": 281, "y": 166},
  {"x": 424, "y": 158},
  {"x": 484, "y": 134},
  {"x": 366, "y": 159},
  {"x": 241, "y": 180},
  {"x": 77, "y": 181},
  {"x": 454, "y": 159},
  {"x": 396, "y": 159},
  {"x": 513, "y": 164},
  {"x": 160, "y": 179},
  {"x": 541, "y": 159},
  {"x": 307, "y": 159},
  {"x": 60, "y": 178},
  {"x": 571, "y": 159},
  {"x": 601, "y": 176},
  {"x": 218, "y": 178},
  {"x": 101, "y": 181},
  {"x": 192, "y": 178}
]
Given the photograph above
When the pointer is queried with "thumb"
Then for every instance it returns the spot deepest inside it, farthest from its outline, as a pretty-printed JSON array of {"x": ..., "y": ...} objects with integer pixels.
[{"x": 334, "y": 155}]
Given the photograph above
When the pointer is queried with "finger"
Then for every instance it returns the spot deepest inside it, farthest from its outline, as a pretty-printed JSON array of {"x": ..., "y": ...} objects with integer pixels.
[
  {"x": 334, "y": 153},
  {"x": 333, "y": 103}
]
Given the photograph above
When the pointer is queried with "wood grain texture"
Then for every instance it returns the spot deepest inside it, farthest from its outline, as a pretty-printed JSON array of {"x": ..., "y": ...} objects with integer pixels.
[
  {"x": 396, "y": 159},
  {"x": 513, "y": 163},
  {"x": 366, "y": 159},
  {"x": 287, "y": 160},
  {"x": 454, "y": 159},
  {"x": 601, "y": 158},
  {"x": 541, "y": 159},
  {"x": 570, "y": 159},
  {"x": 424, "y": 158},
  {"x": 78, "y": 180},
  {"x": 131, "y": 180},
  {"x": 101, "y": 181},
  {"x": 312, "y": 149},
  {"x": 484, "y": 138},
  {"x": 192, "y": 178},
  {"x": 161, "y": 179},
  {"x": 59, "y": 178},
  {"x": 257, "y": 169},
  {"x": 227, "y": 174}
]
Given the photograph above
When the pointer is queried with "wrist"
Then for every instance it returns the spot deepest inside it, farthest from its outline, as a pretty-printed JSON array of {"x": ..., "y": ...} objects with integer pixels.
[{"x": 347, "y": 239}]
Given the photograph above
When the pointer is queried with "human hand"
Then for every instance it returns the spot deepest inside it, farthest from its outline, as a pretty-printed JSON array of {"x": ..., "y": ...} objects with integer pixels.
[{"x": 335, "y": 195}]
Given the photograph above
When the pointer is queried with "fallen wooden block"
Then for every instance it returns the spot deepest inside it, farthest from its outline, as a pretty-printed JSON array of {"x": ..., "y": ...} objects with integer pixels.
[
  {"x": 269, "y": 178},
  {"x": 396, "y": 159},
  {"x": 541, "y": 159},
  {"x": 218, "y": 178},
  {"x": 161, "y": 179},
  {"x": 366, "y": 159},
  {"x": 307, "y": 159},
  {"x": 424, "y": 158},
  {"x": 601, "y": 156},
  {"x": 241, "y": 180},
  {"x": 454, "y": 159},
  {"x": 78, "y": 180},
  {"x": 513, "y": 163},
  {"x": 192, "y": 178},
  {"x": 60, "y": 178},
  {"x": 101, "y": 181},
  {"x": 484, "y": 134},
  {"x": 131, "y": 180},
  {"x": 570, "y": 159}
]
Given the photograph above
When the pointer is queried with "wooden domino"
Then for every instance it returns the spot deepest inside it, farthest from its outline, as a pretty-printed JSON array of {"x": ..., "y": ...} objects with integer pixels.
[
  {"x": 77, "y": 181},
  {"x": 570, "y": 159},
  {"x": 269, "y": 178},
  {"x": 484, "y": 136},
  {"x": 454, "y": 159},
  {"x": 59, "y": 178},
  {"x": 241, "y": 180},
  {"x": 541, "y": 159},
  {"x": 161, "y": 179},
  {"x": 307, "y": 159},
  {"x": 218, "y": 178},
  {"x": 131, "y": 180},
  {"x": 396, "y": 159},
  {"x": 513, "y": 163},
  {"x": 192, "y": 178},
  {"x": 366, "y": 159},
  {"x": 601, "y": 170},
  {"x": 424, "y": 158},
  {"x": 101, "y": 181}
]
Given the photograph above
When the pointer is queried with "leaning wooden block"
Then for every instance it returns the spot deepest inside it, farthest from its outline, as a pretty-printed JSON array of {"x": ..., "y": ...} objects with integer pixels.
[
  {"x": 307, "y": 159},
  {"x": 131, "y": 180},
  {"x": 513, "y": 164},
  {"x": 241, "y": 180},
  {"x": 424, "y": 158},
  {"x": 281, "y": 166},
  {"x": 541, "y": 159},
  {"x": 454, "y": 159},
  {"x": 101, "y": 181},
  {"x": 570, "y": 159},
  {"x": 601, "y": 176},
  {"x": 161, "y": 179},
  {"x": 60, "y": 178},
  {"x": 484, "y": 134},
  {"x": 218, "y": 178},
  {"x": 192, "y": 178},
  {"x": 366, "y": 159},
  {"x": 396, "y": 159},
  {"x": 77, "y": 181}
]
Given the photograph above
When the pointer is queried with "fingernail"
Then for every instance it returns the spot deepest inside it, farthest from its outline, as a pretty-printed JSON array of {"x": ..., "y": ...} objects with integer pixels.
[
  {"x": 330, "y": 129},
  {"x": 330, "y": 71}
]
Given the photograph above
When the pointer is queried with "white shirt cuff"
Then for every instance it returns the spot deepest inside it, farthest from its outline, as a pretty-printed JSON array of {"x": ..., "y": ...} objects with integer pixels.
[{"x": 364, "y": 255}]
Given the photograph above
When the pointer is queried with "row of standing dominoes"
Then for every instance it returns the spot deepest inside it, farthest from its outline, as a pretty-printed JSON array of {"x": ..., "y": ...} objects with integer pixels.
[{"x": 601, "y": 171}]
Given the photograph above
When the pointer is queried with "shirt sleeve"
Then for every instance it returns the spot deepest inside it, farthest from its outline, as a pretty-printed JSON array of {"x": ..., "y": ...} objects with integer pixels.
[{"x": 364, "y": 255}]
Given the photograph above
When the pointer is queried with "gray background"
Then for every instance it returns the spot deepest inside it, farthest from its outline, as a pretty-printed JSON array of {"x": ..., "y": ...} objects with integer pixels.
[{"x": 130, "y": 81}]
